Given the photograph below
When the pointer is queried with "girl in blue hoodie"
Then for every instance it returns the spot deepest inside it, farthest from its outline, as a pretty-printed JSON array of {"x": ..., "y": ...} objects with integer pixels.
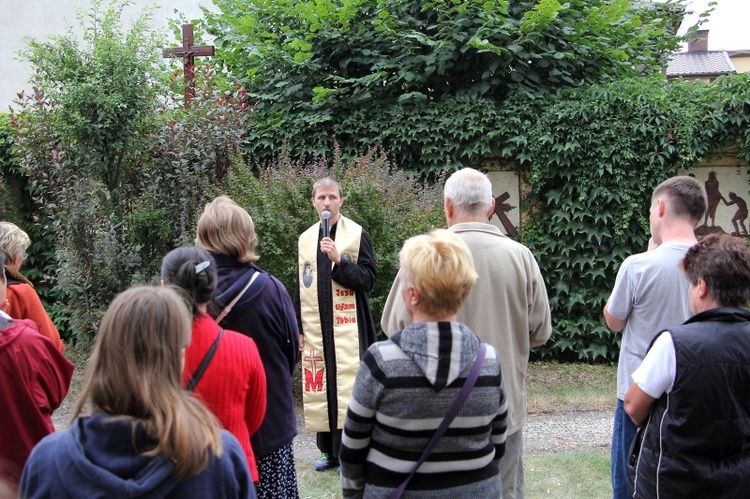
[{"x": 145, "y": 436}]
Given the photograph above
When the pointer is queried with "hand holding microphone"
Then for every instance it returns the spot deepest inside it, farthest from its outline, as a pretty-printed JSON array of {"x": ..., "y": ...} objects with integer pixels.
[{"x": 327, "y": 245}]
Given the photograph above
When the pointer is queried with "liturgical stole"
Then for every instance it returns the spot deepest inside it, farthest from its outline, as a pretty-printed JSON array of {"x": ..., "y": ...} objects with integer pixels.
[{"x": 345, "y": 330}]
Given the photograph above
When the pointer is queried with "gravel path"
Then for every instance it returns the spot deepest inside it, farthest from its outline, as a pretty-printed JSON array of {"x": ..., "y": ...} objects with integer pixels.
[
  {"x": 563, "y": 431},
  {"x": 543, "y": 433}
]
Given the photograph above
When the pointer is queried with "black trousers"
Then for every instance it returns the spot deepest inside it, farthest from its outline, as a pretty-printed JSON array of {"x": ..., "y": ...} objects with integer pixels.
[{"x": 330, "y": 443}]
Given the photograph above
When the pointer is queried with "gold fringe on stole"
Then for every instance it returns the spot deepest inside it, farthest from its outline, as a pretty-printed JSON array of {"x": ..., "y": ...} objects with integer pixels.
[{"x": 345, "y": 329}]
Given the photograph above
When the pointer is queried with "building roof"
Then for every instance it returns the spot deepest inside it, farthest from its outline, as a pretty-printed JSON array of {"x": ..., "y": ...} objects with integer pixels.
[{"x": 709, "y": 63}]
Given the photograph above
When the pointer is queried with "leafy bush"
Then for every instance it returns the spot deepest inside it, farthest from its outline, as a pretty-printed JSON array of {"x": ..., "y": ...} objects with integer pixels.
[
  {"x": 10, "y": 204},
  {"x": 389, "y": 205},
  {"x": 80, "y": 137},
  {"x": 118, "y": 168},
  {"x": 187, "y": 156},
  {"x": 17, "y": 206}
]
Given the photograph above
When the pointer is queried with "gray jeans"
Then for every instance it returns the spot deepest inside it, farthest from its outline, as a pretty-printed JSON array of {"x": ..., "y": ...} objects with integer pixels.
[{"x": 511, "y": 467}]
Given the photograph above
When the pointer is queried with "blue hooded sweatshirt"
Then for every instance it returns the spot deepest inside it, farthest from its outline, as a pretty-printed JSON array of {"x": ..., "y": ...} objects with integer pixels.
[{"x": 97, "y": 457}]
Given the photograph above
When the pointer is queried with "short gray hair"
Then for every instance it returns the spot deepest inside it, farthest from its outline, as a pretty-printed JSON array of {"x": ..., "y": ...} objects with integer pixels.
[
  {"x": 470, "y": 191},
  {"x": 13, "y": 241}
]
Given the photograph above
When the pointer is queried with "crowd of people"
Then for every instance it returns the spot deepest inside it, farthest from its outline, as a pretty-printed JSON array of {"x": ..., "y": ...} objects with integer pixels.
[{"x": 188, "y": 390}]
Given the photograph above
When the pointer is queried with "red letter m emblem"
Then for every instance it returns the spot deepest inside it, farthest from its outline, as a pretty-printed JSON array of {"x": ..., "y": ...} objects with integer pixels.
[{"x": 316, "y": 384}]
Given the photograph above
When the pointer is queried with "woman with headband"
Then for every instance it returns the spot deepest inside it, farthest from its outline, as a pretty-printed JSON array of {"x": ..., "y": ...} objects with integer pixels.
[{"x": 222, "y": 367}]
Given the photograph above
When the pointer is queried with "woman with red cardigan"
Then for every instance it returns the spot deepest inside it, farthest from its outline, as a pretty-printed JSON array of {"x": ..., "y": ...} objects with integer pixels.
[
  {"x": 23, "y": 301},
  {"x": 233, "y": 385}
]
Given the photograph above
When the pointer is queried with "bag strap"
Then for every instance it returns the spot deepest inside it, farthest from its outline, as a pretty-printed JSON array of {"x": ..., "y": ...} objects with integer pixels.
[
  {"x": 228, "y": 308},
  {"x": 448, "y": 419},
  {"x": 198, "y": 374}
]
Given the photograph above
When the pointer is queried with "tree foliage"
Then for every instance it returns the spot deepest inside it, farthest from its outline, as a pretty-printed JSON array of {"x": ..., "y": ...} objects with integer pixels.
[
  {"x": 360, "y": 69},
  {"x": 18, "y": 207},
  {"x": 10, "y": 208},
  {"x": 118, "y": 168}
]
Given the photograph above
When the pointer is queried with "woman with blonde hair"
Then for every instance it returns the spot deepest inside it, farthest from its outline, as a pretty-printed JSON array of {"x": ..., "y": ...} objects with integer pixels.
[
  {"x": 222, "y": 367},
  {"x": 427, "y": 417},
  {"x": 23, "y": 300},
  {"x": 145, "y": 436},
  {"x": 256, "y": 304}
]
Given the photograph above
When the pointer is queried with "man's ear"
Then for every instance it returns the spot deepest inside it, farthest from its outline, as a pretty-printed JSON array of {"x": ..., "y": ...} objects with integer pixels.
[
  {"x": 491, "y": 211},
  {"x": 702, "y": 289},
  {"x": 448, "y": 208},
  {"x": 661, "y": 207}
]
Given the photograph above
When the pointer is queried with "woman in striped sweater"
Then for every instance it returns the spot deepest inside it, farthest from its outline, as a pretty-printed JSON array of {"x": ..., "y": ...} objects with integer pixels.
[{"x": 406, "y": 385}]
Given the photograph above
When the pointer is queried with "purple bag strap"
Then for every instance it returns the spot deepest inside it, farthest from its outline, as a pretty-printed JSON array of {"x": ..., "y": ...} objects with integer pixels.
[{"x": 449, "y": 417}]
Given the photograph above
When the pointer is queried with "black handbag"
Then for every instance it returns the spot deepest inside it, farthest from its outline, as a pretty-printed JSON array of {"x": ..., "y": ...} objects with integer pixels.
[{"x": 633, "y": 454}]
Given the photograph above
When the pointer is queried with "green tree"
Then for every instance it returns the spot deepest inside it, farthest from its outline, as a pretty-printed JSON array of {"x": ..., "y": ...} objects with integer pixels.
[
  {"x": 118, "y": 167},
  {"x": 79, "y": 133},
  {"x": 357, "y": 69}
]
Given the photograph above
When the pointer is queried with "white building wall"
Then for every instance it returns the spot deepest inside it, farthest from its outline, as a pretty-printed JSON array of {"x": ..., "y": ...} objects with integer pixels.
[{"x": 42, "y": 18}]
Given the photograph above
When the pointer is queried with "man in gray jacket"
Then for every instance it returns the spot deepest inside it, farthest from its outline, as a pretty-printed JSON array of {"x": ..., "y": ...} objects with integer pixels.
[{"x": 507, "y": 307}]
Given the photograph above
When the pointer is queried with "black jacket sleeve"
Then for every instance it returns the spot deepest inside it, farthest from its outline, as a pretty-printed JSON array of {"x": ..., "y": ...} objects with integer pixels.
[{"x": 359, "y": 277}]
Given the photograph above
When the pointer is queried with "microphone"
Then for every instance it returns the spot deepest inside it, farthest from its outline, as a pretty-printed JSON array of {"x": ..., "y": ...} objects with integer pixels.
[{"x": 325, "y": 216}]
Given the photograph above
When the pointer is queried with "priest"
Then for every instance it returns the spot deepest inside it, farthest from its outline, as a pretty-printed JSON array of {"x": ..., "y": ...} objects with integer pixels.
[{"x": 336, "y": 272}]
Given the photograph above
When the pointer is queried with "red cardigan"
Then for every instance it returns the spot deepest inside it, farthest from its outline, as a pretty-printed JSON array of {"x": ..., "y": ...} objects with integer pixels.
[
  {"x": 233, "y": 386},
  {"x": 24, "y": 303}
]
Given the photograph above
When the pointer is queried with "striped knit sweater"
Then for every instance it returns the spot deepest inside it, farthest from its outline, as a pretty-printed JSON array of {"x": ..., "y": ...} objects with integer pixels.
[{"x": 404, "y": 388}]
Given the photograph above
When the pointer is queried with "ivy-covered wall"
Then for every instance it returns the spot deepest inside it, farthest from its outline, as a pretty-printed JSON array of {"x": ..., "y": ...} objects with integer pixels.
[{"x": 593, "y": 156}]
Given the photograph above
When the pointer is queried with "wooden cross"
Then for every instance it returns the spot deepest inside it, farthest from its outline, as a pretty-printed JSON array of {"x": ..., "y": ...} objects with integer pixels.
[
  {"x": 188, "y": 53},
  {"x": 501, "y": 208}
]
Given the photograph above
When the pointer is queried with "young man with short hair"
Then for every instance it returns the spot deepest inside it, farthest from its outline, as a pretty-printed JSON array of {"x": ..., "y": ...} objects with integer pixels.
[
  {"x": 335, "y": 276},
  {"x": 650, "y": 295}
]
